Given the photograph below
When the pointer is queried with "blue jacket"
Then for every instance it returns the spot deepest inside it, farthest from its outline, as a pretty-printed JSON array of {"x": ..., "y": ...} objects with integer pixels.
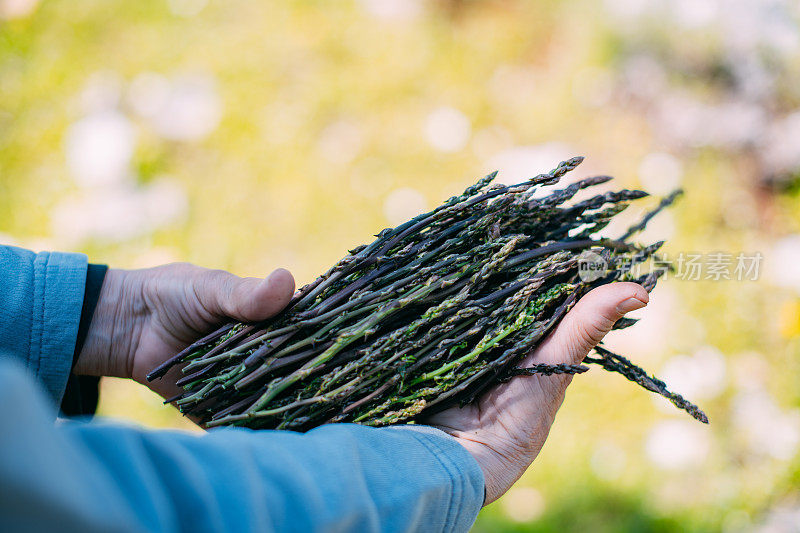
[{"x": 79, "y": 476}]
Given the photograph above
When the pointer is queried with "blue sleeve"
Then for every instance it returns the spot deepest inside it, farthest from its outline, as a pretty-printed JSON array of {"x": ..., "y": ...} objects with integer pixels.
[
  {"x": 340, "y": 477},
  {"x": 40, "y": 307}
]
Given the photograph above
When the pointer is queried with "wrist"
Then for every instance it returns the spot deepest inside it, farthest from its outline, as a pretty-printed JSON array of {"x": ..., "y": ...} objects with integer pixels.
[
  {"x": 502, "y": 464},
  {"x": 482, "y": 456},
  {"x": 110, "y": 340}
]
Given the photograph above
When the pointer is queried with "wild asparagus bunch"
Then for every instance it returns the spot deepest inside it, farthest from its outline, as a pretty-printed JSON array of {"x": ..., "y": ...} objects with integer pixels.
[{"x": 429, "y": 315}]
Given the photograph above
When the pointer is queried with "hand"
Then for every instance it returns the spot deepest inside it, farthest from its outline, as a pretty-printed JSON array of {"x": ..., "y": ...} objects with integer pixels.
[
  {"x": 143, "y": 317},
  {"x": 506, "y": 428}
]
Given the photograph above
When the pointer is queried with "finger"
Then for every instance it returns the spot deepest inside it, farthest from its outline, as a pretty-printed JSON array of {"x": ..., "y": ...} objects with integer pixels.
[
  {"x": 253, "y": 299},
  {"x": 589, "y": 321}
]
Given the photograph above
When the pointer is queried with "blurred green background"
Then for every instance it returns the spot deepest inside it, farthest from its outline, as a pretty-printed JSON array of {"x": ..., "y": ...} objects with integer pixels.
[{"x": 251, "y": 135}]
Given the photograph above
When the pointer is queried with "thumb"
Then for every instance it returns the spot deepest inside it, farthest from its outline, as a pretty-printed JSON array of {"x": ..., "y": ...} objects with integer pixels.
[
  {"x": 253, "y": 299},
  {"x": 588, "y": 322}
]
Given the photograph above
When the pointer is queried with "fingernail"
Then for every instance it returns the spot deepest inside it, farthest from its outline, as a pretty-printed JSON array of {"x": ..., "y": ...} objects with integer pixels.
[{"x": 631, "y": 304}]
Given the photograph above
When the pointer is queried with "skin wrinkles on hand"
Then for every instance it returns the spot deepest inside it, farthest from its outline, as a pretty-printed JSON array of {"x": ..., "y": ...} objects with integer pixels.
[{"x": 144, "y": 317}]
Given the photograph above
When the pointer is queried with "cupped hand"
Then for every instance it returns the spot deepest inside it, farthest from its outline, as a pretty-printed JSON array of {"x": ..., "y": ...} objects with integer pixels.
[
  {"x": 143, "y": 317},
  {"x": 507, "y": 427}
]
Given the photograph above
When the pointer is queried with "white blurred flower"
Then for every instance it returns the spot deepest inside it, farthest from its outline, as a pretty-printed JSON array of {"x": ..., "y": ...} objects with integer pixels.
[
  {"x": 148, "y": 93},
  {"x": 102, "y": 92},
  {"x": 626, "y": 9},
  {"x": 781, "y": 261},
  {"x": 694, "y": 13},
  {"x": 392, "y": 10},
  {"x": 523, "y": 504},
  {"x": 754, "y": 79},
  {"x": 608, "y": 461},
  {"x": 340, "y": 142},
  {"x": 99, "y": 148},
  {"x": 644, "y": 77},
  {"x": 524, "y": 162},
  {"x": 781, "y": 519},
  {"x": 660, "y": 173},
  {"x": 781, "y": 150},
  {"x": 740, "y": 25},
  {"x": 447, "y": 129},
  {"x": 767, "y": 429},
  {"x": 403, "y": 204},
  {"x": 677, "y": 444},
  {"x": 731, "y": 124},
  {"x": 781, "y": 33},
  {"x": 118, "y": 213},
  {"x": 700, "y": 376},
  {"x": 190, "y": 111},
  {"x": 165, "y": 202},
  {"x": 14, "y": 9},
  {"x": 186, "y": 8},
  {"x": 748, "y": 25},
  {"x": 110, "y": 214},
  {"x": 678, "y": 118}
]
